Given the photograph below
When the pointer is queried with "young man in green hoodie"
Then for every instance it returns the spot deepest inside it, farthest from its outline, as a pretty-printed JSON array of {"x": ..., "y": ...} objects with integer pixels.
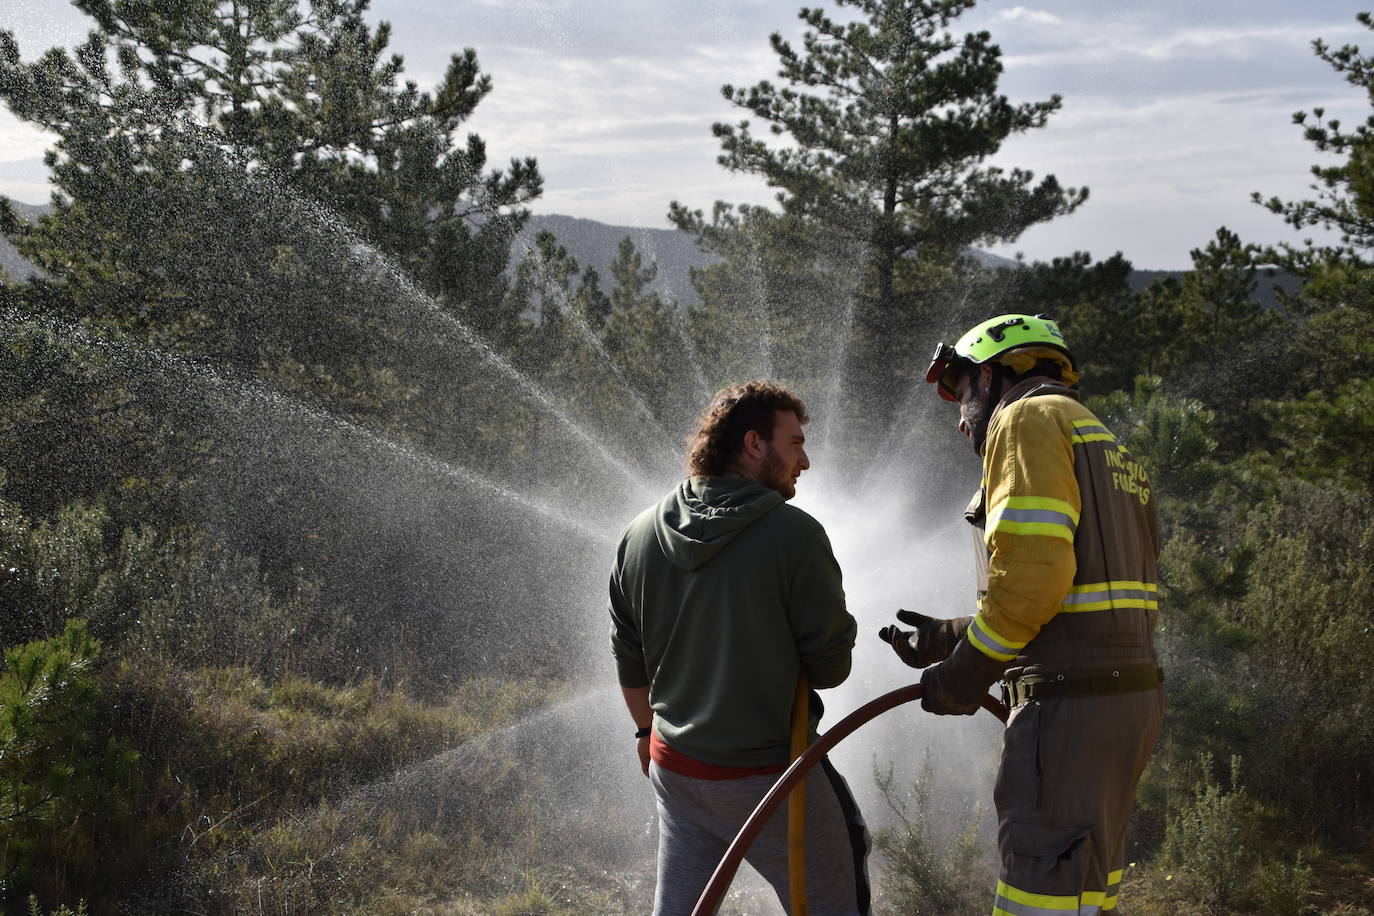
[{"x": 721, "y": 597}]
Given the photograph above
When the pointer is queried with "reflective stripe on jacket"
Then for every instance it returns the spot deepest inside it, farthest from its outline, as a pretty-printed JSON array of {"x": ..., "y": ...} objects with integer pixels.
[{"x": 1071, "y": 538}]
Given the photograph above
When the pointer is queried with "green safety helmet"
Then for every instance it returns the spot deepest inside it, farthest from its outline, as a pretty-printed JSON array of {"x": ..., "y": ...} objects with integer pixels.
[{"x": 1015, "y": 340}]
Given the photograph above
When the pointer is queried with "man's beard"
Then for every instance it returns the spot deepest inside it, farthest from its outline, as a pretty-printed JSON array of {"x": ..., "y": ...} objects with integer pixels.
[
  {"x": 773, "y": 475},
  {"x": 977, "y": 416}
]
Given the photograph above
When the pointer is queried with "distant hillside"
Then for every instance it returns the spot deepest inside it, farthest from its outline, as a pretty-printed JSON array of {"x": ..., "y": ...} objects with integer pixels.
[
  {"x": 1266, "y": 284},
  {"x": 591, "y": 243},
  {"x": 10, "y": 260},
  {"x": 594, "y": 244}
]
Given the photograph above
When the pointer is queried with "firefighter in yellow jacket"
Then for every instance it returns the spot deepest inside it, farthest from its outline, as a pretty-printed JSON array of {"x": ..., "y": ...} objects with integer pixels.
[{"x": 1065, "y": 616}]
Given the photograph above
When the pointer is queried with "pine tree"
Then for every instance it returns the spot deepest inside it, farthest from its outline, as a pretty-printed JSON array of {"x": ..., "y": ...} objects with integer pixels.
[
  {"x": 1345, "y": 192},
  {"x": 220, "y": 163},
  {"x": 648, "y": 338},
  {"x": 890, "y": 119},
  {"x": 300, "y": 94},
  {"x": 66, "y": 819}
]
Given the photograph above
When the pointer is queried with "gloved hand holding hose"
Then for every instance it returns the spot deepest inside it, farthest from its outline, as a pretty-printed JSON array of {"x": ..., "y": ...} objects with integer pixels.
[
  {"x": 932, "y": 641},
  {"x": 958, "y": 686}
]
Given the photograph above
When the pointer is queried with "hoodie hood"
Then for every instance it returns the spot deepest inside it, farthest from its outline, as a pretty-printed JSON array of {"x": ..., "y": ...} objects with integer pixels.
[{"x": 701, "y": 515}]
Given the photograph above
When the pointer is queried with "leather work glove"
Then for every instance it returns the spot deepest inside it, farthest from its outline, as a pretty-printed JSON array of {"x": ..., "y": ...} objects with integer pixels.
[
  {"x": 931, "y": 641},
  {"x": 957, "y": 687}
]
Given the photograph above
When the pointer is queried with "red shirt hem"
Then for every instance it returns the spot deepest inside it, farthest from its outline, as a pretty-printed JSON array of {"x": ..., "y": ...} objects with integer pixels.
[{"x": 677, "y": 762}]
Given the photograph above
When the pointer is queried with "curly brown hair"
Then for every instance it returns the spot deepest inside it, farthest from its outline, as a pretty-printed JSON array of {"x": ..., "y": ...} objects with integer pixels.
[{"x": 716, "y": 442}]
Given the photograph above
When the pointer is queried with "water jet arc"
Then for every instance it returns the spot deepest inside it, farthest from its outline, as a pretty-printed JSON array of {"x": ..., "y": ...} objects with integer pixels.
[{"x": 725, "y": 872}]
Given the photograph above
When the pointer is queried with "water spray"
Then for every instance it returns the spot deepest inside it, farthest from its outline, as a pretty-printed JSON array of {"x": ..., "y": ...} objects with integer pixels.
[
  {"x": 565, "y": 307},
  {"x": 256, "y": 392},
  {"x": 364, "y": 255},
  {"x": 760, "y": 300},
  {"x": 841, "y": 351}
]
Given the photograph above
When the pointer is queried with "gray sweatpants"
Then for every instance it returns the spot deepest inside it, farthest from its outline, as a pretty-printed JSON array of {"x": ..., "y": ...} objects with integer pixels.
[{"x": 698, "y": 818}]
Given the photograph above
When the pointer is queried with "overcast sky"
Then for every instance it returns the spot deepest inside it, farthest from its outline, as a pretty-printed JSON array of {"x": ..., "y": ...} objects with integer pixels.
[{"x": 1173, "y": 111}]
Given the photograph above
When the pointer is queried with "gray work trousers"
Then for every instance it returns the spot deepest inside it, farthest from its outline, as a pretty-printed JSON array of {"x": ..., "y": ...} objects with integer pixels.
[
  {"x": 698, "y": 818},
  {"x": 1064, "y": 793}
]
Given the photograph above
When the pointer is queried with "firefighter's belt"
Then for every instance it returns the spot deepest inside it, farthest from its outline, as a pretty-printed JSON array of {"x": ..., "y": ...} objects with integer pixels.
[{"x": 1102, "y": 682}]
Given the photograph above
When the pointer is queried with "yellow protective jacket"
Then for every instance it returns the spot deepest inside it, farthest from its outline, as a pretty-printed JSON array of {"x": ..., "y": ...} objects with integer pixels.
[{"x": 1071, "y": 537}]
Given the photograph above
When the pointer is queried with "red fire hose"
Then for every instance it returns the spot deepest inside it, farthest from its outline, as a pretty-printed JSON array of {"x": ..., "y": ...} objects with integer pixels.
[{"x": 725, "y": 871}]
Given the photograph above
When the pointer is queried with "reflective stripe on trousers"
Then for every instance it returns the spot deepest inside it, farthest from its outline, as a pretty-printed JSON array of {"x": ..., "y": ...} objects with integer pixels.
[{"x": 1014, "y": 902}]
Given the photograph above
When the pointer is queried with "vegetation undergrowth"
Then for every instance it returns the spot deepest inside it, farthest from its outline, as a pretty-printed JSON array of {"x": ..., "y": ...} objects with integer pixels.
[
  {"x": 232, "y": 783},
  {"x": 923, "y": 869}
]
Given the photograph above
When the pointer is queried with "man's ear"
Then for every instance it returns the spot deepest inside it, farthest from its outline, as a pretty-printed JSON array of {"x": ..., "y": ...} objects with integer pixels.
[
  {"x": 985, "y": 378},
  {"x": 754, "y": 444}
]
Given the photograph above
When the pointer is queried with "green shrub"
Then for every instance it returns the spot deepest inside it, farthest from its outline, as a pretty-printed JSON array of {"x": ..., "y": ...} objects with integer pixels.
[
  {"x": 35, "y": 910},
  {"x": 534, "y": 900},
  {"x": 69, "y": 824},
  {"x": 1264, "y": 637},
  {"x": 174, "y": 594},
  {"x": 925, "y": 873},
  {"x": 1211, "y": 837},
  {"x": 1283, "y": 889}
]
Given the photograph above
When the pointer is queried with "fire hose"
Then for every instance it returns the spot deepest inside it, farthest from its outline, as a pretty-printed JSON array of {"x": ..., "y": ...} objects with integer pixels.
[{"x": 725, "y": 872}]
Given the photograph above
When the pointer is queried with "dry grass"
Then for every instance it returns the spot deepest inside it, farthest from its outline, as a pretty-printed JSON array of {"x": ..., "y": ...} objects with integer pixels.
[
  {"x": 264, "y": 776},
  {"x": 1342, "y": 886}
]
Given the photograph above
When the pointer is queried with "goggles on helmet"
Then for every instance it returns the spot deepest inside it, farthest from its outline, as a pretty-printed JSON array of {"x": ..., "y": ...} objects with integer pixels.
[{"x": 944, "y": 371}]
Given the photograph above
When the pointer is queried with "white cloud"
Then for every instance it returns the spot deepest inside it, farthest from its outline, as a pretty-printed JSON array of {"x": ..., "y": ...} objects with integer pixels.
[
  {"x": 1094, "y": 45},
  {"x": 1165, "y": 174},
  {"x": 1026, "y": 14},
  {"x": 23, "y": 177},
  {"x": 20, "y": 141},
  {"x": 36, "y": 191},
  {"x": 1235, "y": 43},
  {"x": 622, "y": 112}
]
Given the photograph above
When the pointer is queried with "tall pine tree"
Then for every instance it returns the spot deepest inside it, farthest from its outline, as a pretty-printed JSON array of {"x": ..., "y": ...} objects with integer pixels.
[{"x": 890, "y": 119}]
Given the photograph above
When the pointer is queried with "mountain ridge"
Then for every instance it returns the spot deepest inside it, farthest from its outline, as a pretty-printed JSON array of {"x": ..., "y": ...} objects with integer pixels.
[{"x": 594, "y": 244}]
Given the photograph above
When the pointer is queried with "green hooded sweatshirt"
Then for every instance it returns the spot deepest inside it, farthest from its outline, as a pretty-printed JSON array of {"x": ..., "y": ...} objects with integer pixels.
[{"x": 721, "y": 595}]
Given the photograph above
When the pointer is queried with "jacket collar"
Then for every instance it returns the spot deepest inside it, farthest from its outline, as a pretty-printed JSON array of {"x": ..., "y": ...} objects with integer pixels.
[{"x": 1031, "y": 388}]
